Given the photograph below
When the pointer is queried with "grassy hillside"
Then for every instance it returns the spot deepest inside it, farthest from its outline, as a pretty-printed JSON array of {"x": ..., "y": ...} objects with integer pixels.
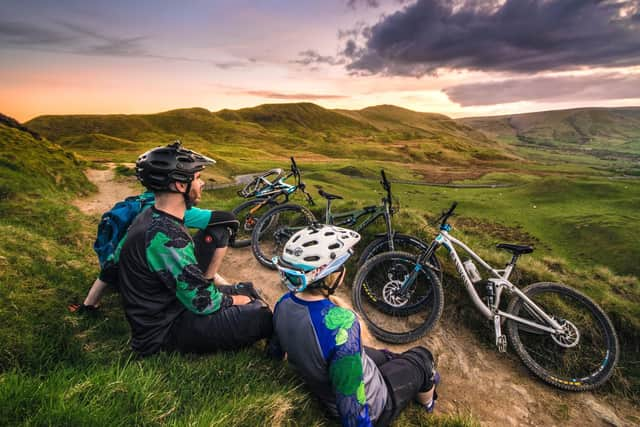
[
  {"x": 272, "y": 132},
  {"x": 298, "y": 117},
  {"x": 61, "y": 369},
  {"x": 601, "y": 129}
]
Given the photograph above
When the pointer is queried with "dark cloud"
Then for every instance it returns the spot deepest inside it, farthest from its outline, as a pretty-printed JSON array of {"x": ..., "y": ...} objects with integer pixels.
[
  {"x": 513, "y": 36},
  {"x": 23, "y": 34},
  {"x": 296, "y": 96},
  {"x": 80, "y": 40},
  {"x": 576, "y": 88},
  {"x": 311, "y": 57},
  {"x": 353, "y": 4}
]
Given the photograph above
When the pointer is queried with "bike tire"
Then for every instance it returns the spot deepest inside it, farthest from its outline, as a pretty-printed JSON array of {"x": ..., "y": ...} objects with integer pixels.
[
  {"x": 248, "y": 220},
  {"x": 274, "y": 229},
  {"x": 587, "y": 365},
  {"x": 387, "y": 321},
  {"x": 401, "y": 243}
]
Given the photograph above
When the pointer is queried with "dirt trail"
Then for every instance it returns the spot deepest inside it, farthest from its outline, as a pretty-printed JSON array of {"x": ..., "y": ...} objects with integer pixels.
[
  {"x": 476, "y": 379},
  {"x": 109, "y": 191}
]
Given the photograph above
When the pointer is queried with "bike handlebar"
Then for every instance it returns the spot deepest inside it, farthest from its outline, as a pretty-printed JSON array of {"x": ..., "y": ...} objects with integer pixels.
[
  {"x": 446, "y": 215},
  {"x": 295, "y": 171},
  {"x": 387, "y": 187}
]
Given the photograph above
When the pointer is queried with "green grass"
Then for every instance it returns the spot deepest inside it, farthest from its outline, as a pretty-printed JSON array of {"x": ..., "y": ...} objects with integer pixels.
[
  {"x": 54, "y": 366},
  {"x": 58, "y": 368}
]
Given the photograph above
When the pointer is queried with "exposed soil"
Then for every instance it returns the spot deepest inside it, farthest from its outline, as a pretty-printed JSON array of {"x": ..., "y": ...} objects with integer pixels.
[
  {"x": 493, "y": 387},
  {"x": 109, "y": 191}
]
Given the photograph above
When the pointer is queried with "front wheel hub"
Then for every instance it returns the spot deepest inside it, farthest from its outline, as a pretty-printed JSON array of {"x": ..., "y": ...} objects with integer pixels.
[
  {"x": 569, "y": 336},
  {"x": 392, "y": 294}
]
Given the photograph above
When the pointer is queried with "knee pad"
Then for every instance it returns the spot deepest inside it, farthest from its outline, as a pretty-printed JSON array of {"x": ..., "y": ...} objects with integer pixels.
[
  {"x": 223, "y": 226},
  {"x": 423, "y": 359}
]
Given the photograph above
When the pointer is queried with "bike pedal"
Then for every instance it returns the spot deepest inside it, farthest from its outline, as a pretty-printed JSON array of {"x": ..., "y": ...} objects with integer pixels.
[{"x": 501, "y": 342}]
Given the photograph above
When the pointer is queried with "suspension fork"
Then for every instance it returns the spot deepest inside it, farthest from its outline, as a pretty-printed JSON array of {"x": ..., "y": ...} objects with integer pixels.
[
  {"x": 422, "y": 258},
  {"x": 390, "y": 231}
]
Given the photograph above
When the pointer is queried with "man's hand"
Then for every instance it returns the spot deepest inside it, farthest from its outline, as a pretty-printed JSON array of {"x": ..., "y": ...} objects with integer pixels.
[{"x": 240, "y": 299}]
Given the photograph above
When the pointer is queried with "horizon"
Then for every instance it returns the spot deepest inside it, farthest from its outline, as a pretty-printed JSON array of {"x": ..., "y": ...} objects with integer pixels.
[
  {"x": 468, "y": 58},
  {"x": 328, "y": 109}
]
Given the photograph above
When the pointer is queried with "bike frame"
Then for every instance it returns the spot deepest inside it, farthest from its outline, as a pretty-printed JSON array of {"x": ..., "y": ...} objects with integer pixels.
[
  {"x": 499, "y": 280},
  {"x": 372, "y": 213}
]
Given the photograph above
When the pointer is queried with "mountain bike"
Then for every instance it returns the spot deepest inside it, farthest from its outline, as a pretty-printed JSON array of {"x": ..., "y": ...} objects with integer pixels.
[
  {"x": 265, "y": 191},
  {"x": 561, "y": 335},
  {"x": 269, "y": 239}
]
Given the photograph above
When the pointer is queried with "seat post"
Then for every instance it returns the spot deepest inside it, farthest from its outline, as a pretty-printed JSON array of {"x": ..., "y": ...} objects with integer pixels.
[
  {"x": 327, "y": 215},
  {"x": 514, "y": 259}
]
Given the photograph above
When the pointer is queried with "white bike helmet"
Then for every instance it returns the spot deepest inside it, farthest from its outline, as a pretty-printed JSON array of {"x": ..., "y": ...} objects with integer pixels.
[{"x": 312, "y": 254}]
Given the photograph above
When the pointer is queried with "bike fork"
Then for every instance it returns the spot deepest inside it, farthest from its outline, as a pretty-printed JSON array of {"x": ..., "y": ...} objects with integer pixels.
[{"x": 501, "y": 339}]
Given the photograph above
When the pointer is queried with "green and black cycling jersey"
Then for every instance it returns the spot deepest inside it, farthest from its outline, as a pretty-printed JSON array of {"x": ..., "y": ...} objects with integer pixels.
[{"x": 159, "y": 279}]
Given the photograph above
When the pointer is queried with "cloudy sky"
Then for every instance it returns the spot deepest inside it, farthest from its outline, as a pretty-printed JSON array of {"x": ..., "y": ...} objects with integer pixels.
[{"x": 456, "y": 57}]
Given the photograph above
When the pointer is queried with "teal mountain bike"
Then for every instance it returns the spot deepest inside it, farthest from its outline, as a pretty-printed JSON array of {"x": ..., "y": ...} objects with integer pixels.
[
  {"x": 264, "y": 192},
  {"x": 276, "y": 227}
]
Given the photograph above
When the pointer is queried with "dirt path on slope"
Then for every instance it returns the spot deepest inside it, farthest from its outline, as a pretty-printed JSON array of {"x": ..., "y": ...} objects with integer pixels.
[
  {"x": 476, "y": 379},
  {"x": 109, "y": 191},
  {"x": 495, "y": 388}
]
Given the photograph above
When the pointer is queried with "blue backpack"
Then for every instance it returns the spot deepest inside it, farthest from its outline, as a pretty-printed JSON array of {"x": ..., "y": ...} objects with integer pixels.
[{"x": 115, "y": 223}]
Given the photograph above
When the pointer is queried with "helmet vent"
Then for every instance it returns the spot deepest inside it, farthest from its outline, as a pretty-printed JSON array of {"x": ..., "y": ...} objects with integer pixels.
[
  {"x": 329, "y": 233},
  {"x": 311, "y": 243},
  {"x": 295, "y": 239},
  {"x": 334, "y": 246},
  {"x": 312, "y": 258}
]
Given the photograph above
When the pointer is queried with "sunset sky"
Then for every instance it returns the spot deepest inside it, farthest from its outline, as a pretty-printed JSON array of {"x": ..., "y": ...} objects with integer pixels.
[{"x": 460, "y": 58}]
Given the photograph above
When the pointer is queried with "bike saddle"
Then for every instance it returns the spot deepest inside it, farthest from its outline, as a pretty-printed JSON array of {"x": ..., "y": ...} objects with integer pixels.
[
  {"x": 328, "y": 196},
  {"x": 515, "y": 249}
]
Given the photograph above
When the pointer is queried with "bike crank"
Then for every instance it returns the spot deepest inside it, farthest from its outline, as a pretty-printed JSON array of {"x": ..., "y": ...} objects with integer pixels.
[{"x": 501, "y": 339}]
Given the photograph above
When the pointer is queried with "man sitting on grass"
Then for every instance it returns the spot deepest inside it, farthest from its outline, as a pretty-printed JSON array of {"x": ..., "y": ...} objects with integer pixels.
[{"x": 168, "y": 301}]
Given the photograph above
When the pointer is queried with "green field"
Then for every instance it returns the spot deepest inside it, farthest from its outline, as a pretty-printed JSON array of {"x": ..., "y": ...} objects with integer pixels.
[{"x": 57, "y": 368}]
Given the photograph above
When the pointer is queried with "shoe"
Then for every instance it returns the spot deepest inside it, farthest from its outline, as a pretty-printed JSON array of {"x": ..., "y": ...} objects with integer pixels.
[{"x": 431, "y": 405}]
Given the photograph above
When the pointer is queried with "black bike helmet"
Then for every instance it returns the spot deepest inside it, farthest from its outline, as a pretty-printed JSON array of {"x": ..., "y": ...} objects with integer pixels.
[{"x": 158, "y": 168}]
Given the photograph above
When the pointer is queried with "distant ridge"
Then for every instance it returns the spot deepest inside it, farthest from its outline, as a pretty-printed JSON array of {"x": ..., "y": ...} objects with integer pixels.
[
  {"x": 585, "y": 128},
  {"x": 268, "y": 121},
  {"x": 303, "y": 115}
]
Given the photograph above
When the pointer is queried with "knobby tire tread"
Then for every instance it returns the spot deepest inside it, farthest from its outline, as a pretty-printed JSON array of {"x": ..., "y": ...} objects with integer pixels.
[
  {"x": 604, "y": 322},
  {"x": 391, "y": 337}
]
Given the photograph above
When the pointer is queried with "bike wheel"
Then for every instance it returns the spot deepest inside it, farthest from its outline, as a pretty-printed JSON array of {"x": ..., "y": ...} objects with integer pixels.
[
  {"x": 583, "y": 357},
  {"x": 391, "y": 316},
  {"x": 274, "y": 229},
  {"x": 401, "y": 243},
  {"x": 249, "y": 219}
]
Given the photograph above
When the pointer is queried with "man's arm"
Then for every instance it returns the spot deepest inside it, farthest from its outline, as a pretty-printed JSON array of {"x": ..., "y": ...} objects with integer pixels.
[{"x": 175, "y": 263}]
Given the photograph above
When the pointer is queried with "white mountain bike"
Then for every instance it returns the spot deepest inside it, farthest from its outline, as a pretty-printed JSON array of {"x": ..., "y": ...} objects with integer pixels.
[{"x": 561, "y": 335}]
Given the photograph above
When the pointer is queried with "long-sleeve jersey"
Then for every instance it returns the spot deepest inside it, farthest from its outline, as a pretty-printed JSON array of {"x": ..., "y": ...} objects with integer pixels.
[
  {"x": 160, "y": 279},
  {"x": 322, "y": 342}
]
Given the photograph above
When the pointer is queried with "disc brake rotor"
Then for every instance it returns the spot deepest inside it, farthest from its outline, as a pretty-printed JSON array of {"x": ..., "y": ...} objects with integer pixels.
[
  {"x": 392, "y": 294},
  {"x": 569, "y": 337}
]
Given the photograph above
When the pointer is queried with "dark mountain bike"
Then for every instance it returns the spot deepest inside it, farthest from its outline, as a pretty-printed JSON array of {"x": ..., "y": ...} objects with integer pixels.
[
  {"x": 280, "y": 223},
  {"x": 265, "y": 191},
  {"x": 561, "y": 335}
]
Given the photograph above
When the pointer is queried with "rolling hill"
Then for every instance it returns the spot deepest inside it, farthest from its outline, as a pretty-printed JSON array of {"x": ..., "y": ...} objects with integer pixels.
[
  {"x": 586, "y": 129},
  {"x": 278, "y": 130}
]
